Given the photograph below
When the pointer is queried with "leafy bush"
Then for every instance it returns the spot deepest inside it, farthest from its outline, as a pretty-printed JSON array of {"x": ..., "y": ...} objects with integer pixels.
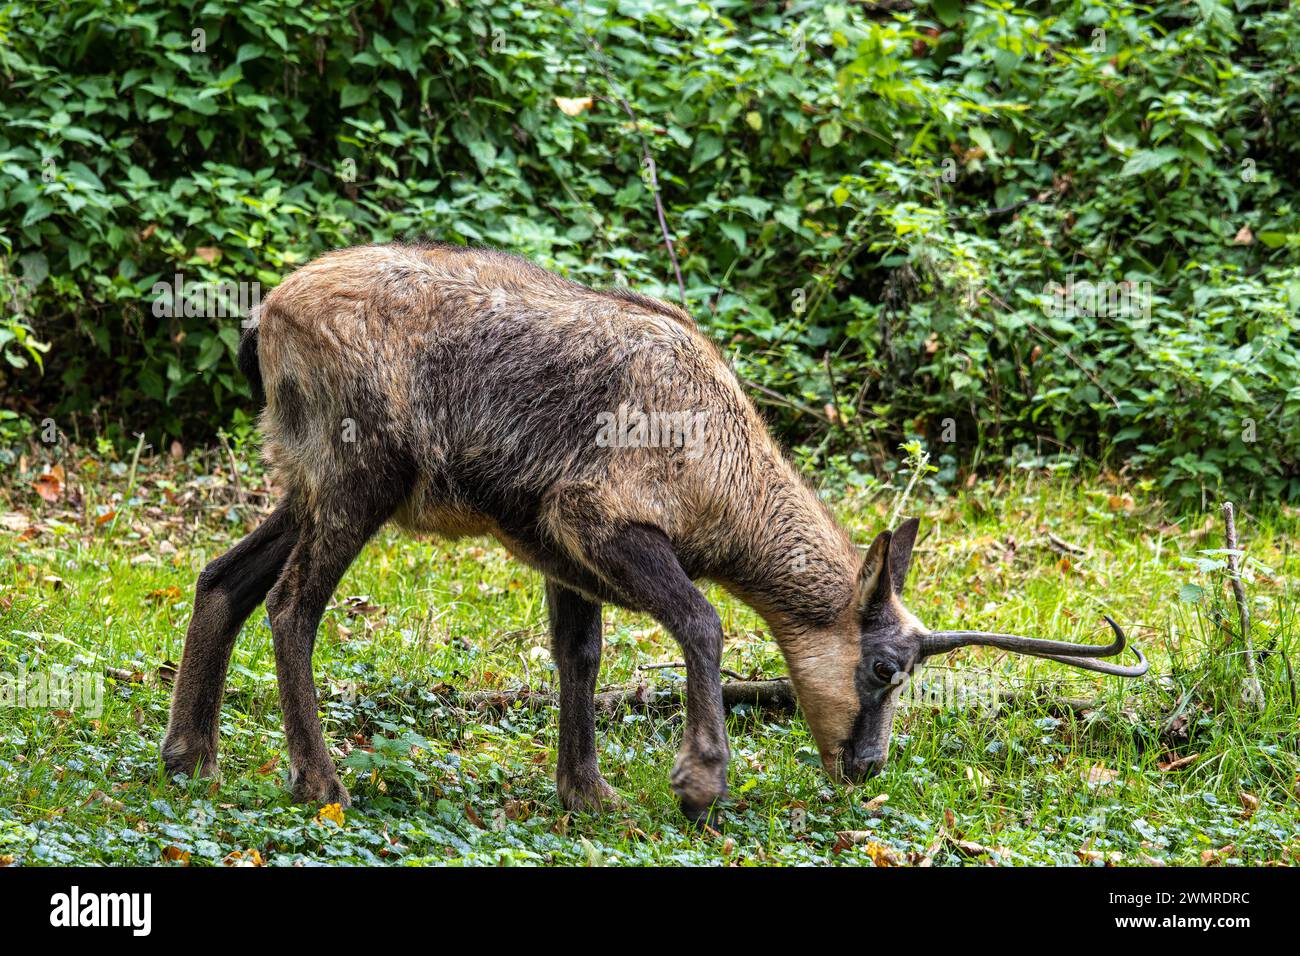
[{"x": 872, "y": 207}]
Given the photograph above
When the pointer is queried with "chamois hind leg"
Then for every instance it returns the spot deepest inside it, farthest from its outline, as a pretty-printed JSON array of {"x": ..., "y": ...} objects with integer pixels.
[
  {"x": 328, "y": 543},
  {"x": 576, "y": 645},
  {"x": 639, "y": 562},
  {"x": 228, "y": 590}
]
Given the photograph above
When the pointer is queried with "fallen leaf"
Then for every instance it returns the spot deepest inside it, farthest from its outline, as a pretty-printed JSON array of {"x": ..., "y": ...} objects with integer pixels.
[
  {"x": 1098, "y": 776},
  {"x": 1244, "y": 237},
  {"x": 875, "y": 803},
  {"x": 15, "y": 521},
  {"x": 244, "y": 858},
  {"x": 332, "y": 812},
  {"x": 1179, "y": 763},
  {"x": 208, "y": 254},
  {"x": 50, "y": 486},
  {"x": 881, "y": 855},
  {"x": 971, "y": 848},
  {"x": 1249, "y": 802},
  {"x": 174, "y": 854},
  {"x": 270, "y": 765},
  {"x": 474, "y": 818}
]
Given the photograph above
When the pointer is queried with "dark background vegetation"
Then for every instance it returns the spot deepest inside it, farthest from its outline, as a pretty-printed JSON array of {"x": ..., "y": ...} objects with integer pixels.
[{"x": 801, "y": 150}]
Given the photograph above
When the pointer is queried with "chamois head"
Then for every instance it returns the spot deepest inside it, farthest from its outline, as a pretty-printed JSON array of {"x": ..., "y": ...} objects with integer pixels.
[{"x": 890, "y": 643}]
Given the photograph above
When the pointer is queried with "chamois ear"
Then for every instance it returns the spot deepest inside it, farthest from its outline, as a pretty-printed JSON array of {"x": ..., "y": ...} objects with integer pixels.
[
  {"x": 874, "y": 582},
  {"x": 900, "y": 552}
]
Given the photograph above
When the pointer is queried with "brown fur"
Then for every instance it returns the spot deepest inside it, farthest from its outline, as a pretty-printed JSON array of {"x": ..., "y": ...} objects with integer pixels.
[{"x": 459, "y": 392}]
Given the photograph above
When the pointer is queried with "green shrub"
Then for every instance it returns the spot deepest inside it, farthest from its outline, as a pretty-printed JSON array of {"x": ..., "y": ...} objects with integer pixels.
[{"x": 887, "y": 195}]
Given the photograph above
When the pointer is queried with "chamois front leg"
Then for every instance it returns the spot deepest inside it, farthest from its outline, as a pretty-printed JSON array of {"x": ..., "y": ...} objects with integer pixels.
[
  {"x": 641, "y": 564},
  {"x": 576, "y": 646}
]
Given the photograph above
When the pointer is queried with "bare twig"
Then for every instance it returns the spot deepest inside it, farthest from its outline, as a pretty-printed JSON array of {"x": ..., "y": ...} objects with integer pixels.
[
  {"x": 678, "y": 664},
  {"x": 776, "y": 398},
  {"x": 1252, "y": 692},
  {"x": 774, "y": 695},
  {"x": 1061, "y": 546},
  {"x": 646, "y": 159},
  {"x": 234, "y": 468}
]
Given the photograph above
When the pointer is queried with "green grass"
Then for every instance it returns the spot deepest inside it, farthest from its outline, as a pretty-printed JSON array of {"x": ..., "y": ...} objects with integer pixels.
[{"x": 471, "y": 788}]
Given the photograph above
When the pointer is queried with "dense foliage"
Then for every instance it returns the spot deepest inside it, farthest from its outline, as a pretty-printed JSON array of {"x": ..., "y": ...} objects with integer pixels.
[{"x": 871, "y": 203}]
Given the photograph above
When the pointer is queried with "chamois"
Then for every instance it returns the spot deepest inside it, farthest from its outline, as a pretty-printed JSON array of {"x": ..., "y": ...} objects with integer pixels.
[{"x": 599, "y": 436}]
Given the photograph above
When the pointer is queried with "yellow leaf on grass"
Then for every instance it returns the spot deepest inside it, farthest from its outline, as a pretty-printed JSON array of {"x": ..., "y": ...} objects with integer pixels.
[{"x": 332, "y": 812}]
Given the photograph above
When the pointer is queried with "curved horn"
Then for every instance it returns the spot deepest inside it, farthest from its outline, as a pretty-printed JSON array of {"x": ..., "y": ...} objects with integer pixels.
[{"x": 1075, "y": 655}]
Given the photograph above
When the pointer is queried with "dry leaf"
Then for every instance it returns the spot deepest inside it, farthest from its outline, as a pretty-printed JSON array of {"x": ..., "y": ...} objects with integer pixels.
[
  {"x": 15, "y": 521},
  {"x": 573, "y": 106},
  {"x": 875, "y": 803},
  {"x": 1244, "y": 236},
  {"x": 1179, "y": 763},
  {"x": 474, "y": 818},
  {"x": 50, "y": 486},
  {"x": 270, "y": 765},
  {"x": 208, "y": 254},
  {"x": 1249, "y": 802},
  {"x": 332, "y": 812},
  {"x": 244, "y": 858},
  {"x": 1098, "y": 776},
  {"x": 881, "y": 855},
  {"x": 971, "y": 848},
  {"x": 174, "y": 854}
]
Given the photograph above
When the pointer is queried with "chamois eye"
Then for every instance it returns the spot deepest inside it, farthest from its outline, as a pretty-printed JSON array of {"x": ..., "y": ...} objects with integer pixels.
[{"x": 884, "y": 672}]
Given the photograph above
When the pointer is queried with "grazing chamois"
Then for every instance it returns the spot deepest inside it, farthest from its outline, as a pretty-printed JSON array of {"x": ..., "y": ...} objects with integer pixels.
[{"x": 603, "y": 440}]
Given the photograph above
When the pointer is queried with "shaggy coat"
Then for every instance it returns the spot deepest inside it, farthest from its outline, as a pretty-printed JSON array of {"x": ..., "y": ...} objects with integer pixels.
[{"x": 599, "y": 435}]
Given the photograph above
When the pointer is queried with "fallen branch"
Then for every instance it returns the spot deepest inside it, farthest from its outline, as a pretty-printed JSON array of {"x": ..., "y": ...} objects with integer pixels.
[
  {"x": 1252, "y": 692},
  {"x": 776, "y": 696}
]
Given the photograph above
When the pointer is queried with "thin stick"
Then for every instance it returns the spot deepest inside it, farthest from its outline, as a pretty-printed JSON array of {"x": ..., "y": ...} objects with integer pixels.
[
  {"x": 676, "y": 664},
  {"x": 1251, "y": 692},
  {"x": 775, "y": 695},
  {"x": 646, "y": 159},
  {"x": 234, "y": 468}
]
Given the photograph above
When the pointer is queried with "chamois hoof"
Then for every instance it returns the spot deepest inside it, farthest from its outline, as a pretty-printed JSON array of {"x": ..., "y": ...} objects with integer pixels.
[
  {"x": 318, "y": 786},
  {"x": 590, "y": 796},
  {"x": 193, "y": 760},
  {"x": 703, "y": 816}
]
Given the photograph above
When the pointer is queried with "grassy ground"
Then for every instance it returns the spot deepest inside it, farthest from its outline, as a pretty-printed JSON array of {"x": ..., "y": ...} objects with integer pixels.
[{"x": 1169, "y": 769}]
